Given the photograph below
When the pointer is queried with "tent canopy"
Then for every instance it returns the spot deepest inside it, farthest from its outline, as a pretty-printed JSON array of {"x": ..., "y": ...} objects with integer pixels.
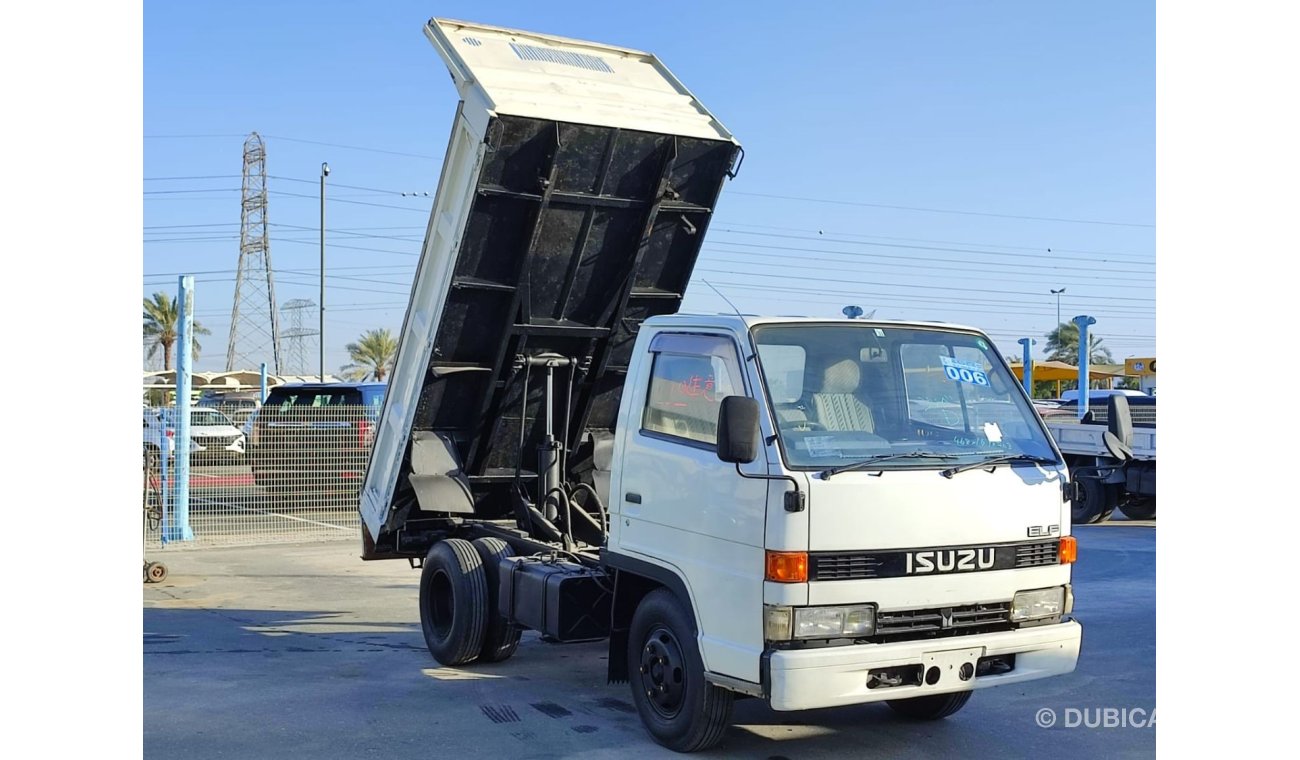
[{"x": 1048, "y": 370}]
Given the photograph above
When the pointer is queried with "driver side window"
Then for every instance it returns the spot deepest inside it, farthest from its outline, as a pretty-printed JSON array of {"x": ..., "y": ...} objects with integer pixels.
[{"x": 687, "y": 388}]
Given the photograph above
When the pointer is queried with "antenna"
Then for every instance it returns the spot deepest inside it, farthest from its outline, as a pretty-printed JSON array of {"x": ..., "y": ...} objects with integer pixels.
[{"x": 728, "y": 300}]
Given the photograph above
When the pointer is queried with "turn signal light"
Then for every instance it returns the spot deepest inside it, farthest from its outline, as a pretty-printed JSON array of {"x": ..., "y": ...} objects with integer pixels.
[
  {"x": 1069, "y": 550},
  {"x": 787, "y": 567}
]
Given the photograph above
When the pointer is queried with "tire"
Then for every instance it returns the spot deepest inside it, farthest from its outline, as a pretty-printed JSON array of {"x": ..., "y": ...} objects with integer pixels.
[
  {"x": 931, "y": 707},
  {"x": 1139, "y": 508},
  {"x": 453, "y": 602},
  {"x": 500, "y": 637},
  {"x": 1093, "y": 505},
  {"x": 152, "y": 458},
  {"x": 689, "y": 713},
  {"x": 155, "y": 572}
]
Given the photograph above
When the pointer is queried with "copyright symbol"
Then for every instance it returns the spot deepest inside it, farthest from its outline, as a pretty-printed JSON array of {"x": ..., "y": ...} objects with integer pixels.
[{"x": 1045, "y": 717}]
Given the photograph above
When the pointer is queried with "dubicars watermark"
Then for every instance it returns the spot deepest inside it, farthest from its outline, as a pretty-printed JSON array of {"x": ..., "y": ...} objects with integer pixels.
[{"x": 1096, "y": 717}]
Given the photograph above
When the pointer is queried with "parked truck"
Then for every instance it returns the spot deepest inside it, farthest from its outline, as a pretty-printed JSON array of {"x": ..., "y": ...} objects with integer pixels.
[
  {"x": 1112, "y": 454},
  {"x": 809, "y": 512}
]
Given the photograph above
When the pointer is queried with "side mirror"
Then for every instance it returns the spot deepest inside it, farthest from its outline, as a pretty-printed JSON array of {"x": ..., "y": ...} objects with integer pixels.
[
  {"x": 1117, "y": 448},
  {"x": 738, "y": 430}
]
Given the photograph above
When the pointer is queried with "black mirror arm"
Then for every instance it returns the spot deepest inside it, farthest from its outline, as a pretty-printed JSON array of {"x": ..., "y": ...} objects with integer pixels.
[{"x": 795, "y": 501}]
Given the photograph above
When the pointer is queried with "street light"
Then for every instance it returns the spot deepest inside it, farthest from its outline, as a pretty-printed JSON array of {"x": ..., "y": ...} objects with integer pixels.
[
  {"x": 324, "y": 172},
  {"x": 1056, "y": 293}
]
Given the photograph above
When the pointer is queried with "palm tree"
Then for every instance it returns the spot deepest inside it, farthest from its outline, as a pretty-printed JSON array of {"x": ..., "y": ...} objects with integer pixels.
[
  {"x": 372, "y": 355},
  {"x": 161, "y": 317},
  {"x": 1063, "y": 346}
]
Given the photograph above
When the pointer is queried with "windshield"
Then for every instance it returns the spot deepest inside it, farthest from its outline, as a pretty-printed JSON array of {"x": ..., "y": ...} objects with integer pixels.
[
  {"x": 207, "y": 417},
  {"x": 843, "y": 393}
]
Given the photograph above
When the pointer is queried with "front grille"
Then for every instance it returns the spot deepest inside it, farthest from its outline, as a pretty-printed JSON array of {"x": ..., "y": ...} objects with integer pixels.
[
  {"x": 1033, "y": 555},
  {"x": 842, "y": 567},
  {"x": 209, "y": 442},
  {"x": 942, "y": 621},
  {"x": 892, "y": 563}
]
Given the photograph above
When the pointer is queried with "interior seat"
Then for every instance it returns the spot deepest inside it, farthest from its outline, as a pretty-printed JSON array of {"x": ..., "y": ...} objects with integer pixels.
[{"x": 837, "y": 404}]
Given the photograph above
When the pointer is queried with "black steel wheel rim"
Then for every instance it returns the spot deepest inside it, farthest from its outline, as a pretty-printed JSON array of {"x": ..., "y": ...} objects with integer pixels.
[{"x": 663, "y": 673}]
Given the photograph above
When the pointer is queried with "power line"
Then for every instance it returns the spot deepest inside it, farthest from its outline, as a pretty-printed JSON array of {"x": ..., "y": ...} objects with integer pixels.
[
  {"x": 182, "y": 192},
  {"x": 866, "y": 255},
  {"x": 350, "y": 187},
  {"x": 353, "y": 147},
  {"x": 948, "y": 242},
  {"x": 986, "y": 271},
  {"x": 907, "y": 247},
  {"x": 923, "y": 287},
  {"x": 179, "y": 226},
  {"x": 940, "y": 210},
  {"x": 206, "y": 176},
  {"x": 359, "y": 203}
]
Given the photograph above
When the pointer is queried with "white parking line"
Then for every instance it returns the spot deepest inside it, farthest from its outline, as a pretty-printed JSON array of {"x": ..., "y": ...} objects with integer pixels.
[{"x": 270, "y": 513}]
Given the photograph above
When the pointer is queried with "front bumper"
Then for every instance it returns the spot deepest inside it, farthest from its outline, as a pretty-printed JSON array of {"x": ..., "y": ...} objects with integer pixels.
[{"x": 833, "y": 676}]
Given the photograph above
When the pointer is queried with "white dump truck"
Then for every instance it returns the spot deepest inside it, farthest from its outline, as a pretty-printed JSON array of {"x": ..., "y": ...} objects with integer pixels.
[{"x": 810, "y": 512}]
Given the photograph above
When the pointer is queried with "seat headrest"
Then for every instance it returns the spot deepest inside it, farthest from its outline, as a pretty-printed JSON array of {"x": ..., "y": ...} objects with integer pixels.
[{"x": 841, "y": 377}]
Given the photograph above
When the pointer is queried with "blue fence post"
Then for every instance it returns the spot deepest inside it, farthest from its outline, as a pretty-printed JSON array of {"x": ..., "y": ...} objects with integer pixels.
[
  {"x": 1082, "y": 322},
  {"x": 262, "y": 397},
  {"x": 1027, "y": 368},
  {"x": 184, "y": 383},
  {"x": 164, "y": 474}
]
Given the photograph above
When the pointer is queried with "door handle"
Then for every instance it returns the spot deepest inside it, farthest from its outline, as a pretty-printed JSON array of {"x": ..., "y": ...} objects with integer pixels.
[{"x": 632, "y": 498}]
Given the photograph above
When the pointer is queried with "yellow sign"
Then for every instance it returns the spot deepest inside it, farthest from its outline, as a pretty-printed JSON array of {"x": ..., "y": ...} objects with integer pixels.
[{"x": 1142, "y": 367}]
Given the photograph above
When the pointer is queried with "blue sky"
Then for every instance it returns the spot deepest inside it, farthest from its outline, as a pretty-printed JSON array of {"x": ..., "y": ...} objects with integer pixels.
[{"x": 1035, "y": 121}]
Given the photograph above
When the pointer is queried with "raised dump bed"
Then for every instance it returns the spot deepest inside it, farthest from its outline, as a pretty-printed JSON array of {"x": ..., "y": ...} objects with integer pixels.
[{"x": 578, "y": 185}]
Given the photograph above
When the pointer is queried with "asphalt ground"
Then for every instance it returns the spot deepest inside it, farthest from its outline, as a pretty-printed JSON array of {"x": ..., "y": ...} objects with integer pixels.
[{"x": 305, "y": 651}]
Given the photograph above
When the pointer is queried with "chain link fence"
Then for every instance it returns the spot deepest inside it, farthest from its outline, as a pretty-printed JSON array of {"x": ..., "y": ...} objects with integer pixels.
[{"x": 282, "y": 476}]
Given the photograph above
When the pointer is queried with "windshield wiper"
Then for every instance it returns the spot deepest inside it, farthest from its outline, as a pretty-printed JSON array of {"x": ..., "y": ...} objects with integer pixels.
[
  {"x": 879, "y": 458},
  {"x": 992, "y": 463}
]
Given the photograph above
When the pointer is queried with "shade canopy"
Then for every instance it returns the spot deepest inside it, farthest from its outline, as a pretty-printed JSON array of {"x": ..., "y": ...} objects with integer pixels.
[{"x": 1051, "y": 370}]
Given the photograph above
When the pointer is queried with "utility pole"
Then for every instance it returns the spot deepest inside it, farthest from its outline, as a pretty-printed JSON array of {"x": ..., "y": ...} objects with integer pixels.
[{"x": 324, "y": 172}]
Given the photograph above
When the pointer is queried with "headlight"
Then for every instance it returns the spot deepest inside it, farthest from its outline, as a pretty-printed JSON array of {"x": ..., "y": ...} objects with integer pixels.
[
  {"x": 784, "y": 623},
  {"x": 1041, "y": 603}
]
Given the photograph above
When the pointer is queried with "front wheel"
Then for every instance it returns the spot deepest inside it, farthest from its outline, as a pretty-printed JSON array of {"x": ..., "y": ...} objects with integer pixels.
[
  {"x": 932, "y": 707},
  {"x": 1095, "y": 504},
  {"x": 679, "y": 709}
]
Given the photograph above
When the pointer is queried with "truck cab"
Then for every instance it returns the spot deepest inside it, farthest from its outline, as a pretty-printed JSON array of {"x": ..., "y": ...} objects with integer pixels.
[{"x": 900, "y": 531}]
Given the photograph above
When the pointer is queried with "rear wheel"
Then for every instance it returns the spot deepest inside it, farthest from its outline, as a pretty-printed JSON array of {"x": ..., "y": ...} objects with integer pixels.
[
  {"x": 501, "y": 637},
  {"x": 932, "y": 707},
  {"x": 453, "y": 601},
  {"x": 681, "y": 710},
  {"x": 1139, "y": 508}
]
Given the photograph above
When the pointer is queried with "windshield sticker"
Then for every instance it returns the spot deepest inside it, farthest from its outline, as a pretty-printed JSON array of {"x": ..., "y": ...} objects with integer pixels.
[
  {"x": 980, "y": 342},
  {"x": 964, "y": 372},
  {"x": 821, "y": 446},
  {"x": 993, "y": 432},
  {"x": 879, "y": 333}
]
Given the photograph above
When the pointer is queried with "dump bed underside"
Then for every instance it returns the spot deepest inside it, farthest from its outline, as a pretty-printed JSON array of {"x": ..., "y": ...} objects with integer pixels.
[
  {"x": 548, "y": 236},
  {"x": 576, "y": 235}
]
